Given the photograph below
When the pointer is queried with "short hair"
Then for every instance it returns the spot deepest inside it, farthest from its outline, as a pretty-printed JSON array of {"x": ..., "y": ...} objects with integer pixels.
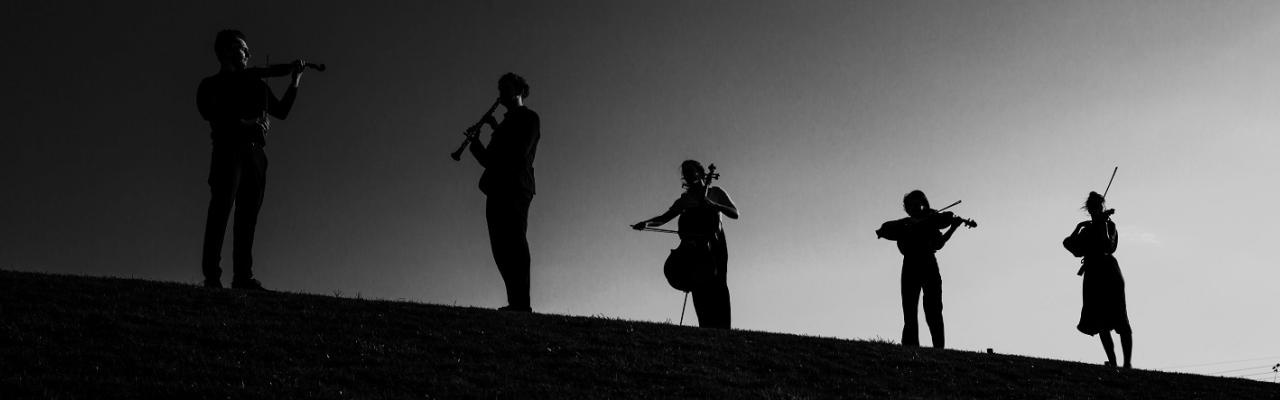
[
  {"x": 515, "y": 81},
  {"x": 915, "y": 195},
  {"x": 225, "y": 39}
]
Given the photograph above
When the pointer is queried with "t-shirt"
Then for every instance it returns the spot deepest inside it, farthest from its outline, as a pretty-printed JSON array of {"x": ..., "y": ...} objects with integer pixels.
[{"x": 228, "y": 97}]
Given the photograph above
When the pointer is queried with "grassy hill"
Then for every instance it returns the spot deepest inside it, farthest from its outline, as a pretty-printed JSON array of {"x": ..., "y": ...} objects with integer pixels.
[{"x": 80, "y": 337}]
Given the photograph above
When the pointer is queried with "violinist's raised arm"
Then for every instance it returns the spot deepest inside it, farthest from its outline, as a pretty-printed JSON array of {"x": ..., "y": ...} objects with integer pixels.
[{"x": 955, "y": 223}]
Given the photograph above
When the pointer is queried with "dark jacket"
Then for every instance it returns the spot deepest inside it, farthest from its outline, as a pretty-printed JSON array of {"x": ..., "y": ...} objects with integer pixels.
[{"x": 508, "y": 160}]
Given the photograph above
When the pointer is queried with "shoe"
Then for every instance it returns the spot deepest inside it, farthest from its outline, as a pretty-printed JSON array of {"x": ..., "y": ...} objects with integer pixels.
[
  {"x": 1109, "y": 364},
  {"x": 248, "y": 284},
  {"x": 212, "y": 284},
  {"x": 525, "y": 309}
]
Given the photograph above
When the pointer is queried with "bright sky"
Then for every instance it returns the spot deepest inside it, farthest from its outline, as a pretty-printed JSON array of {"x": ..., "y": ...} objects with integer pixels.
[{"x": 819, "y": 115}]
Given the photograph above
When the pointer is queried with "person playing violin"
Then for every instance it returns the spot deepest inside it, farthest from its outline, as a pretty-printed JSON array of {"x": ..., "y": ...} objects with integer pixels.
[
  {"x": 1104, "y": 307},
  {"x": 699, "y": 209},
  {"x": 918, "y": 239},
  {"x": 236, "y": 103}
]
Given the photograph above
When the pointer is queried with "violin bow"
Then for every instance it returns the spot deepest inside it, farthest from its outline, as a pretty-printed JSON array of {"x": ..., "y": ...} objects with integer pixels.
[
  {"x": 660, "y": 230},
  {"x": 952, "y": 205},
  {"x": 1113, "y": 178},
  {"x": 694, "y": 235}
]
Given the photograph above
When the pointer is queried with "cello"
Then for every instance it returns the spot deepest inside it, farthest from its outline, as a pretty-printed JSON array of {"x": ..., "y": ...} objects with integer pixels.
[{"x": 691, "y": 265}]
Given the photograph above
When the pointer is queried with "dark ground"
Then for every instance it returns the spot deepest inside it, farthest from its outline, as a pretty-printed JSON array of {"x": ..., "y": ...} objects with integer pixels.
[{"x": 80, "y": 337}]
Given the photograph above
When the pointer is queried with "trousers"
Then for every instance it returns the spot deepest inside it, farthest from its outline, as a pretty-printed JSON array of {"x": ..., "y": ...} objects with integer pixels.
[
  {"x": 508, "y": 220},
  {"x": 712, "y": 301},
  {"x": 920, "y": 273},
  {"x": 237, "y": 177}
]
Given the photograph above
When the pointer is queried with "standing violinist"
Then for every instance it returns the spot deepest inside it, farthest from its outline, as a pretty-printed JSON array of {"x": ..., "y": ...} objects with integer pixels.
[
  {"x": 1104, "y": 307},
  {"x": 699, "y": 209},
  {"x": 236, "y": 103},
  {"x": 918, "y": 239}
]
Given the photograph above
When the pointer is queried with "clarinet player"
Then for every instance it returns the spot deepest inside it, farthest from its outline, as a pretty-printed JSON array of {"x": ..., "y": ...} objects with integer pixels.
[{"x": 508, "y": 185}]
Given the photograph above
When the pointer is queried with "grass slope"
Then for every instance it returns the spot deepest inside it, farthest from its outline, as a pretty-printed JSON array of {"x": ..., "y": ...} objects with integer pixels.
[{"x": 81, "y": 337}]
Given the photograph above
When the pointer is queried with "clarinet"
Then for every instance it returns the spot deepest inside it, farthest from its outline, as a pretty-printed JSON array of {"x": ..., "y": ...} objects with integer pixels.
[{"x": 457, "y": 154}]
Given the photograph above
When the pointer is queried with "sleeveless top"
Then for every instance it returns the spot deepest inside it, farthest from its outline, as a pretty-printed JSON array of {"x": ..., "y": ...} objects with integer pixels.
[{"x": 703, "y": 226}]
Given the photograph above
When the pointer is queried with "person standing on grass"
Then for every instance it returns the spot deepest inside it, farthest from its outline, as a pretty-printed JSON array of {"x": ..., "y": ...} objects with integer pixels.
[
  {"x": 508, "y": 185},
  {"x": 1104, "y": 308},
  {"x": 699, "y": 209},
  {"x": 918, "y": 241},
  {"x": 236, "y": 103}
]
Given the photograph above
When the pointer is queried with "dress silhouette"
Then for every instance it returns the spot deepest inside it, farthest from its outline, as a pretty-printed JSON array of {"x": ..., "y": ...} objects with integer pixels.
[{"x": 1104, "y": 308}]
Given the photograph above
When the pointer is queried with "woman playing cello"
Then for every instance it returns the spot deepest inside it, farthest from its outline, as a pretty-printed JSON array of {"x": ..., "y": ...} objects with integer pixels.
[{"x": 699, "y": 209}]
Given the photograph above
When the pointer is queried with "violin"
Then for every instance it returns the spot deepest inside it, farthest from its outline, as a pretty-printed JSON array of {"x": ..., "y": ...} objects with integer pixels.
[
  {"x": 1079, "y": 245},
  {"x": 935, "y": 219},
  {"x": 943, "y": 219}
]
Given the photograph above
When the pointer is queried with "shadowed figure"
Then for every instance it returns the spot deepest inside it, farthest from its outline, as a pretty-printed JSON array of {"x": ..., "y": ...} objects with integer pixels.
[
  {"x": 236, "y": 102},
  {"x": 918, "y": 239},
  {"x": 702, "y": 241},
  {"x": 1104, "y": 307},
  {"x": 508, "y": 185}
]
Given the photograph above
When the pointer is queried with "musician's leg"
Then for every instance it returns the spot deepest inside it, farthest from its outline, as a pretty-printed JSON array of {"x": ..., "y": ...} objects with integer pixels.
[
  {"x": 707, "y": 304},
  {"x": 253, "y": 184},
  {"x": 1126, "y": 345},
  {"x": 712, "y": 306},
  {"x": 508, "y": 225},
  {"x": 910, "y": 299},
  {"x": 223, "y": 180},
  {"x": 715, "y": 298},
  {"x": 726, "y": 315},
  {"x": 933, "y": 310},
  {"x": 1108, "y": 346},
  {"x": 520, "y": 257}
]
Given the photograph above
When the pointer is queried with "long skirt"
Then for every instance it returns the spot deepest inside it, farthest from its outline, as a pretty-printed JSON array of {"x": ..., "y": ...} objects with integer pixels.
[{"x": 1104, "y": 305}]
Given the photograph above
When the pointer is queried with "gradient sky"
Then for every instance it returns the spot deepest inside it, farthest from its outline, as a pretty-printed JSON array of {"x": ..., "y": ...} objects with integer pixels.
[{"x": 820, "y": 116}]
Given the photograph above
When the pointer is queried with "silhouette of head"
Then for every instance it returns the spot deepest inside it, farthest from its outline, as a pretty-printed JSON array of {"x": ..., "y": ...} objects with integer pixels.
[
  {"x": 512, "y": 90},
  {"x": 691, "y": 172},
  {"x": 915, "y": 203},
  {"x": 231, "y": 49},
  {"x": 1095, "y": 204}
]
